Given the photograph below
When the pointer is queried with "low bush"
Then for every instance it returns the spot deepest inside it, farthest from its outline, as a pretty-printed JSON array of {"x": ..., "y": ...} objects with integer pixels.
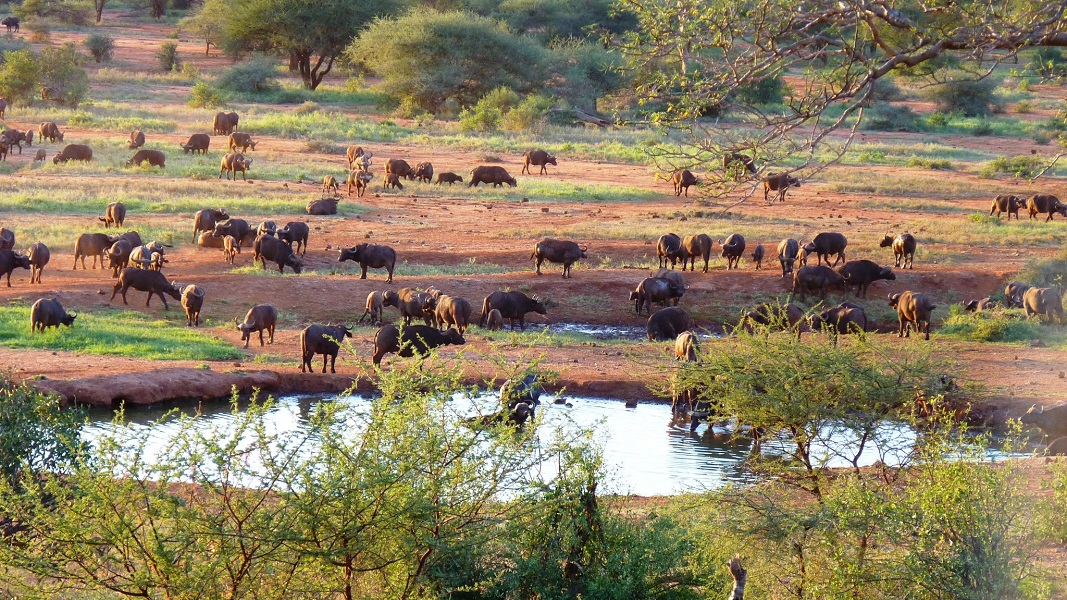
[
  {"x": 256, "y": 74},
  {"x": 935, "y": 164},
  {"x": 1046, "y": 272},
  {"x": 988, "y": 326},
  {"x": 205, "y": 95},
  {"x": 889, "y": 117},
  {"x": 100, "y": 46},
  {"x": 1024, "y": 166},
  {"x": 168, "y": 56},
  {"x": 963, "y": 94}
]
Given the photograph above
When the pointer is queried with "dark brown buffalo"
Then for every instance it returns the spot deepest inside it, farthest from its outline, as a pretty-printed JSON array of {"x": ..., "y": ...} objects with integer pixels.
[
  {"x": 207, "y": 219},
  {"x": 323, "y": 206},
  {"x": 774, "y": 316},
  {"x": 267, "y": 247},
  {"x": 242, "y": 141},
  {"x": 353, "y": 154},
  {"x": 321, "y": 339},
  {"x": 842, "y": 319},
  {"x": 114, "y": 214},
  {"x": 261, "y": 317},
  {"x": 986, "y": 303},
  {"x": 654, "y": 289},
  {"x": 91, "y": 244},
  {"x": 913, "y": 310},
  {"x": 370, "y": 255},
  {"x": 512, "y": 306},
  {"x": 73, "y": 152},
  {"x": 232, "y": 163},
  {"x": 669, "y": 247},
  {"x": 48, "y": 312},
  {"x": 412, "y": 340},
  {"x": 1007, "y": 203},
  {"x": 815, "y": 278},
  {"x": 154, "y": 158},
  {"x": 487, "y": 174},
  {"x": 780, "y": 184},
  {"x": 224, "y": 123},
  {"x": 50, "y": 131},
  {"x": 424, "y": 172},
  {"x": 694, "y": 246},
  {"x": 149, "y": 281},
  {"x": 733, "y": 248},
  {"x": 136, "y": 139},
  {"x": 193, "y": 302},
  {"x": 537, "y": 158},
  {"x": 295, "y": 232},
  {"x": 1051, "y": 420},
  {"x": 7, "y": 239},
  {"x": 862, "y": 273},
  {"x": 38, "y": 255},
  {"x": 1013, "y": 294},
  {"x": 736, "y": 162},
  {"x": 666, "y": 323},
  {"x": 682, "y": 179},
  {"x": 757, "y": 256},
  {"x": 454, "y": 311},
  {"x": 359, "y": 180},
  {"x": 238, "y": 228},
  {"x": 13, "y": 137},
  {"x": 676, "y": 278},
  {"x": 1045, "y": 203},
  {"x": 903, "y": 248},
  {"x": 826, "y": 244},
  {"x": 558, "y": 251},
  {"x": 414, "y": 304},
  {"x": 267, "y": 228},
  {"x": 132, "y": 237},
  {"x": 198, "y": 142},
  {"x": 400, "y": 168},
  {"x": 1047, "y": 302},
  {"x": 118, "y": 256},
  {"x": 9, "y": 261},
  {"x": 449, "y": 178},
  {"x": 392, "y": 180}
]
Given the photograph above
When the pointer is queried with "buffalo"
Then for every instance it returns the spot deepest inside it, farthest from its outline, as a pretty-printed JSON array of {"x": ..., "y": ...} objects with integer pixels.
[
  {"x": 844, "y": 318},
  {"x": 558, "y": 251},
  {"x": 12, "y": 24},
  {"x": 323, "y": 206},
  {"x": 686, "y": 347},
  {"x": 913, "y": 310},
  {"x": 376, "y": 302},
  {"x": 1013, "y": 294},
  {"x": 682, "y": 179},
  {"x": 1007, "y": 203},
  {"x": 669, "y": 247},
  {"x": 354, "y": 154},
  {"x": 242, "y": 141},
  {"x": 329, "y": 185},
  {"x": 267, "y": 228},
  {"x": 9, "y": 261},
  {"x": 415, "y": 304},
  {"x": 324, "y": 340},
  {"x": 91, "y": 244},
  {"x": 118, "y": 256},
  {"x": 192, "y": 302},
  {"x": 198, "y": 142},
  {"x": 780, "y": 184},
  {"x": 654, "y": 289},
  {"x": 38, "y": 255},
  {"x": 230, "y": 248},
  {"x": 1045, "y": 203},
  {"x": 1041, "y": 301},
  {"x": 424, "y": 172},
  {"x": 232, "y": 163},
  {"x": 826, "y": 244},
  {"x": 141, "y": 280},
  {"x": 238, "y": 228},
  {"x": 537, "y": 158},
  {"x": 73, "y": 152},
  {"x": 392, "y": 180},
  {"x": 359, "y": 180},
  {"x": 261, "y": 317},
  {"x": 903, "y": 249},
  {"x": 206, "y": 220},
  {"x": 977, "y": 305},
  {"x": 48, "y": 312},
  {"x": 733, "y": 248},
  {"x": 136, "y": 139},
  {"x": 495, "y": 321},
  {"x": 694, "y": 246},
  {"x": 114, "y": 214},
  {"x": 7, "y": 239},
  {"x": 676, "y": 278},
  {"x": 154, "y": 158},
  {"x": 816, "y": 278},
  {"x": 757, "y": 256},
  {"x": 454, "y": 311},
  {"x": 666, "y": 323},
  {"x": 861, "y": 273},
  {"x": 412, "y": 340},
  {"x": 50, "y": 131},
  {"x": 400, "y": 168},
  {"x": 225, "y": 123},
  {"x": 497, "y": 176},
  {"x": 370, "y": 255},
  {"x": 295, "y": 232},
  {"x": 512, "y": 306},
  {"x": 267, "y": 247},
  {"x": 449, "y": 178},
  {"x": 735, "y": 162},
  {"x": 773, "y": 316}
]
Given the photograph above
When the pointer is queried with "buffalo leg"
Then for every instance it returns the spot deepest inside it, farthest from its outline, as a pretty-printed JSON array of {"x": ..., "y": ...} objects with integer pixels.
[
  {"x": 260, "y": 338},
  {"x": 270, "y": 330},
  {"x": 9, "y": 278},
  {"x": 537, "y": 264},
  {"x": 363, "y": 271}
]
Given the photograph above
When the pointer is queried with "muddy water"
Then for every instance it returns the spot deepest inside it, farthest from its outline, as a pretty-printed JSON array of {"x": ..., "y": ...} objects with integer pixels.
[{"x": 645, "y": 453}]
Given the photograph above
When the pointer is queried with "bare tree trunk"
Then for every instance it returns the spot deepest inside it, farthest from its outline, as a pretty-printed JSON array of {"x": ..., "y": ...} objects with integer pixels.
[{"x": 740, "y": 575}]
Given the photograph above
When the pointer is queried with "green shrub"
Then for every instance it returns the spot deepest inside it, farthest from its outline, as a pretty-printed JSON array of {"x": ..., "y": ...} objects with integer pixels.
[
  {"x": 1048, "y": 272},
  {"x": 964, "y": 95},
  {"x": 935, "y": 164},
  {"x": 62, "y": 74},
  {"x": 37, "y": 434},
  {"x": 529, "y": 115},
  {"x": 488, "y": 112},
  {"x": 1041, "y": 138},
  {"x": 938, "y": 119},
  {"x": 1024, "y": 107},
  {"x": 1048, "y": 62},
  {"x": 889, "y": 117},
  {"x": 256, "y": 74},
  {"x": 982, "y": 127},
  {"x": 100, "y": 46},
  {"x": 204, "y": 95},
  {"x": 766, "y": 91},
  {"x": 988, "y": 326},
  {"x": 20, "y": 76},
  {"x": 168, "y": 56},
  {"x": 1025, "y": 166}
]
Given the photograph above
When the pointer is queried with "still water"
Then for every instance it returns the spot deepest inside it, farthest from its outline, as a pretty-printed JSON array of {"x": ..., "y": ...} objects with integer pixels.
[{"x": 645, "y": 453}]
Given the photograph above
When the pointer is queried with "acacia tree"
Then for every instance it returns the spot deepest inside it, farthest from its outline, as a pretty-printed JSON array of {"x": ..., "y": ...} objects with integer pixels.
[{"x": 693, "y": 55}]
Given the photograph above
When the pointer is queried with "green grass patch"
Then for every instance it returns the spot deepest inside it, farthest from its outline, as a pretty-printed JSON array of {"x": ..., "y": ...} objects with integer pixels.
[
  {"x": 1000, "y": 325},
  {"x": 540, "y": 336},
  {"x": 117, "y": 333},
  {"x": 917, "y": 185},
  {"x": 918, "y": 206}
]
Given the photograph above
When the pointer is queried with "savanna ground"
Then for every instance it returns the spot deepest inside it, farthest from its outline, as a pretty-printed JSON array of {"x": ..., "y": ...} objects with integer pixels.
[{"x": 470, "y": 242}]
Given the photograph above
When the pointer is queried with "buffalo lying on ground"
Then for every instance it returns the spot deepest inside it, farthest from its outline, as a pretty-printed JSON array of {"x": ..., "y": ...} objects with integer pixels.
[
  {"x": 913, "y": 310},
  {"x": 666, "y": 323},
  {"x": 537, "y": 158},
  {"x": 1047, "y": 302},
  {"x": 143, "y": 280},
  {"x": 193, "y": 302},
  {"x": 323, "y": 206},
  {"x": 242, "y": 141},
  {"x": 1045, "y": 203},
  {"x": 449, "y": 178},
  {"x": 669, "y": 247},
  {"x": 454, "y": 311},
  {"x": 73, "y": 152},
  {"x": 232, "y": 163},
  {"x": 861, "y": 273},
  {"x": 779, "y": 184},
  {"x": 376, "y": 302},
  {"x": 208, "y": 240},
  {"x": 414, "y": 304},
  {"x": 48, "y": 312},
  {"x": 903, "y": 249},
  {"x": 198, "y": 142},
  {"x": 370, "y": 255},
  {"x": 9, "y": 261},
  {"x": 826, "y": 244},
  {"x": 295, "y": 232},
  {"x": 682, "y": 179},
  {"x": 261, "y": 317},
  {"x": 487, "y": 174},
  {"x": 114, "y": 214},
  {"x": 757, "y": 256},
  {"x": 733, "y": 248},
  {"x": 424, "y": 172},
  {"x": 654, "y": 289},
  {"x": 774, "y": 316},
  {"x": 558, "y": 251},
  {"x": 38, "y": 255},
  {"x": 977, "y": 305},
  {"x": 136, "y": 139},
  {"x": 267, "y": 247},
  {"x": 694, "y": 246},
  {"x": 816, "y": 278},
  {"x": 324, "y": 340},
  {"x": 844, "y": 318},
  {"x": 1007, "y": 203},
  {"x": 91, "y": 244},
  {"x": 512, "y": 306},
  {"x": 1013, "y": 294},
  {"x": 154, "y": 158},
  {"x": 412, "y": 340},
  {"x": 207, "y": 219}
]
